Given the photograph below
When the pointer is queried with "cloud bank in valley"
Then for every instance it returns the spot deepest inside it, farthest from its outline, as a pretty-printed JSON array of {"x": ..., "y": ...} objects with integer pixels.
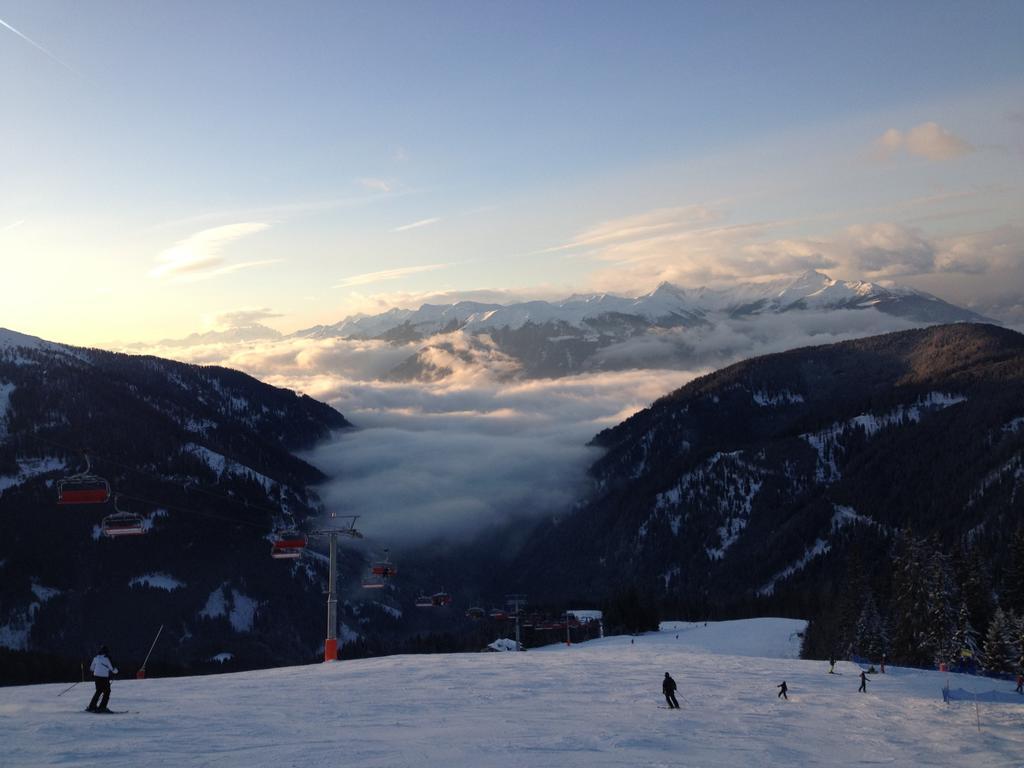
[
  {"x": 478, "y": 449},
  {"x": 446, "y": 462}
]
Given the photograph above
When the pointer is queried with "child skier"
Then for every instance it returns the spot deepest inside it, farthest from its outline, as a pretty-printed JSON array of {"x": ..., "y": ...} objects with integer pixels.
[
  {"x": 863, "y": 682},
  {"x": 832, "y": 665},
  {"x": 102, "y": 668},
  {"x": 782, "y": 691}
]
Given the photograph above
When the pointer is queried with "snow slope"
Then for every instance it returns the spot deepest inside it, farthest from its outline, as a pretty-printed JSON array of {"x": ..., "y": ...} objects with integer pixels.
[{"x": 594, "y": 704}]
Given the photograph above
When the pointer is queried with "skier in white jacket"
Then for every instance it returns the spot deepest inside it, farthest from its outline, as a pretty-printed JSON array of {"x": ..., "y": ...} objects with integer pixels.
[{"x": 102, "y": 668}]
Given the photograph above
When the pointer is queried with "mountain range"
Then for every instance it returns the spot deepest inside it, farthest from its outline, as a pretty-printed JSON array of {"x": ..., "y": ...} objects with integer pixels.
[
  {"x": 588, "y": 332},
  {"x": 669, "y": 328},
  {"x": 667, "y": 306}
]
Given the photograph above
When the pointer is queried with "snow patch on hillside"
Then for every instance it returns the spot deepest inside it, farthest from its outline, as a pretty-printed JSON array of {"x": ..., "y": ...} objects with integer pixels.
[
  {"x": 13, "y": 340},
  {"x": 819, "y": 548},
  {"x": 843, "y": 516},
  {"x": 670, "y": 575},
  {"x": 14, "y": 634},
  {"x": 6, "y": 390},
  {"x": 29, "y": 468},
  {"x": 157, "y": 580},
  {"x": 239, "y": 609},
  {"x": 200, "y": 426},
  {"x": 148, "y": 521},
  {"x": 44, "y": 593},
  {"x": 1014, "y": 425},
  {"x": 1011, "y": 469},
  {"x": 727, "y": 482},
  {"x": 828, "y": 442},
  {"x": 222, "y": 465},
  {"x": 394, "y": 613},
  {"x": 785, "y": 397}
]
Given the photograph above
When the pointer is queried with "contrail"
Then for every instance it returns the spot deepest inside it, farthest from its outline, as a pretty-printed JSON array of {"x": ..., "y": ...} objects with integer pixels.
[{"x": 37, "y": 46}]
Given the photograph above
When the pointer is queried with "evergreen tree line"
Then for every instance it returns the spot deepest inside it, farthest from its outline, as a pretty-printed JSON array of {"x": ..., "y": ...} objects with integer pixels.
[{"x": 924, "y": 604}]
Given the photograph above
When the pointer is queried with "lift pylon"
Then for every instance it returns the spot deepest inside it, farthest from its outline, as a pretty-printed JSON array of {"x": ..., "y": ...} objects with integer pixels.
[{"x": 331, "y": 642}]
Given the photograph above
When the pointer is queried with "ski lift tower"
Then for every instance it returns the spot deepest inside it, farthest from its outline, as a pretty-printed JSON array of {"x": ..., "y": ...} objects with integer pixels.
[
  {"x": 515, "y": 602},
  {"x": 331, "y": 643}
]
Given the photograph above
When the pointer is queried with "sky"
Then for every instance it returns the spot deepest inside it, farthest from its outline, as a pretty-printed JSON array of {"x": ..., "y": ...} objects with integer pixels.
[{"x": 168, "y": 168}]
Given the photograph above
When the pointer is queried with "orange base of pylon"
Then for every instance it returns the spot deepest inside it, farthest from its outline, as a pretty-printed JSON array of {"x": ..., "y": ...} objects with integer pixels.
[{"x": 330, "y": 650}]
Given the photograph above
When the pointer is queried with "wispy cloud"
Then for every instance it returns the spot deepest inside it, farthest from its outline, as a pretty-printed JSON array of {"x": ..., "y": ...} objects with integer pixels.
[
  {"x": 282, "y": 210},
  {"x": 377, "y": 185},
  {"x": 12, "y": 225},
  {"x": 199, "y": 256},
  {"x": 38, "y": 47},
  {"x": 388, "y": 274},
  {"x": 416, "y": 224},
  {"x": 641, "y": 250},
  {"x": 639, "y": 226},
  {"x": 241, "y": 318},
  {"x": 928, "y": 140}
]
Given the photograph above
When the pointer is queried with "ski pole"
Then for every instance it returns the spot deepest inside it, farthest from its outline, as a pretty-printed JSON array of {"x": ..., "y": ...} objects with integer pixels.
[
  {"x": 74, "y": 684},
  {"x": 142, "y": 669}
]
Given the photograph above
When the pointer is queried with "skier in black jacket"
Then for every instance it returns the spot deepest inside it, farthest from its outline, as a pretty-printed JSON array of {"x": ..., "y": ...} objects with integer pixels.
[
  {"x": 782, "y": 690},
  {"x": 668, "y": 687},
  {"x": 863, "y": 683}
]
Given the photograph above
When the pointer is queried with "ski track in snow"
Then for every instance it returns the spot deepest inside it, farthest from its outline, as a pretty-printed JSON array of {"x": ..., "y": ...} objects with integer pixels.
[{"x": 594, "y": 704}]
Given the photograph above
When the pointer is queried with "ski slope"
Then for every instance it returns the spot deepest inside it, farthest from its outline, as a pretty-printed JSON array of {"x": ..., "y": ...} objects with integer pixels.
[{"x": 594, "y": 704}]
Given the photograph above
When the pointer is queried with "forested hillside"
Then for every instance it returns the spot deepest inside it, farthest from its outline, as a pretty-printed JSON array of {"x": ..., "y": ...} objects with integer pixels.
[
  {"x": 205, "y": 457},
  {"x": 875, "y": 483}
]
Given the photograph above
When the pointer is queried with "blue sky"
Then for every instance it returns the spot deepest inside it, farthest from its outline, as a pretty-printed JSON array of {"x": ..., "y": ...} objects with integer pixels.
[{"x": 166, "y": 164}]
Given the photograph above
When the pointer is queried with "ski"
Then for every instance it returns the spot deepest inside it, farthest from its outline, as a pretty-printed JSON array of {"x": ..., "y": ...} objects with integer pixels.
[{"x": 113, "y": 712}]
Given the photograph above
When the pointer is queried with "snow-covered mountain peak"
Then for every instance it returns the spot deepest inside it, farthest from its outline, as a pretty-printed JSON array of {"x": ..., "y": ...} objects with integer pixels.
[
  {"x": 807, "y": 284},
  {"x": 10, "y": 339},
  {"x": 668, "y": 305}
]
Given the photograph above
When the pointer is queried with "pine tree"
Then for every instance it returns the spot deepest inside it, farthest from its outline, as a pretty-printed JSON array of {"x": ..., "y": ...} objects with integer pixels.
[
  {"x": 869, "y": 639},
  {"x": 1012, "y": 596},
  {"x": 975, "y": 585},
  {"x": 965, "y": 639},
  {"x": 915, "y": 625},
  {"x": 1000, "y": 654},
  {"x": 1017, "y": 631},
  {"x": 942, "y": 618},
  {"x": 850, "y": 605}
]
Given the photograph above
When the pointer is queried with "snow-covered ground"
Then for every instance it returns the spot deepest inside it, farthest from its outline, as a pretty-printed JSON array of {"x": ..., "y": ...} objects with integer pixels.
[{"x": 594, "y": 704}]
